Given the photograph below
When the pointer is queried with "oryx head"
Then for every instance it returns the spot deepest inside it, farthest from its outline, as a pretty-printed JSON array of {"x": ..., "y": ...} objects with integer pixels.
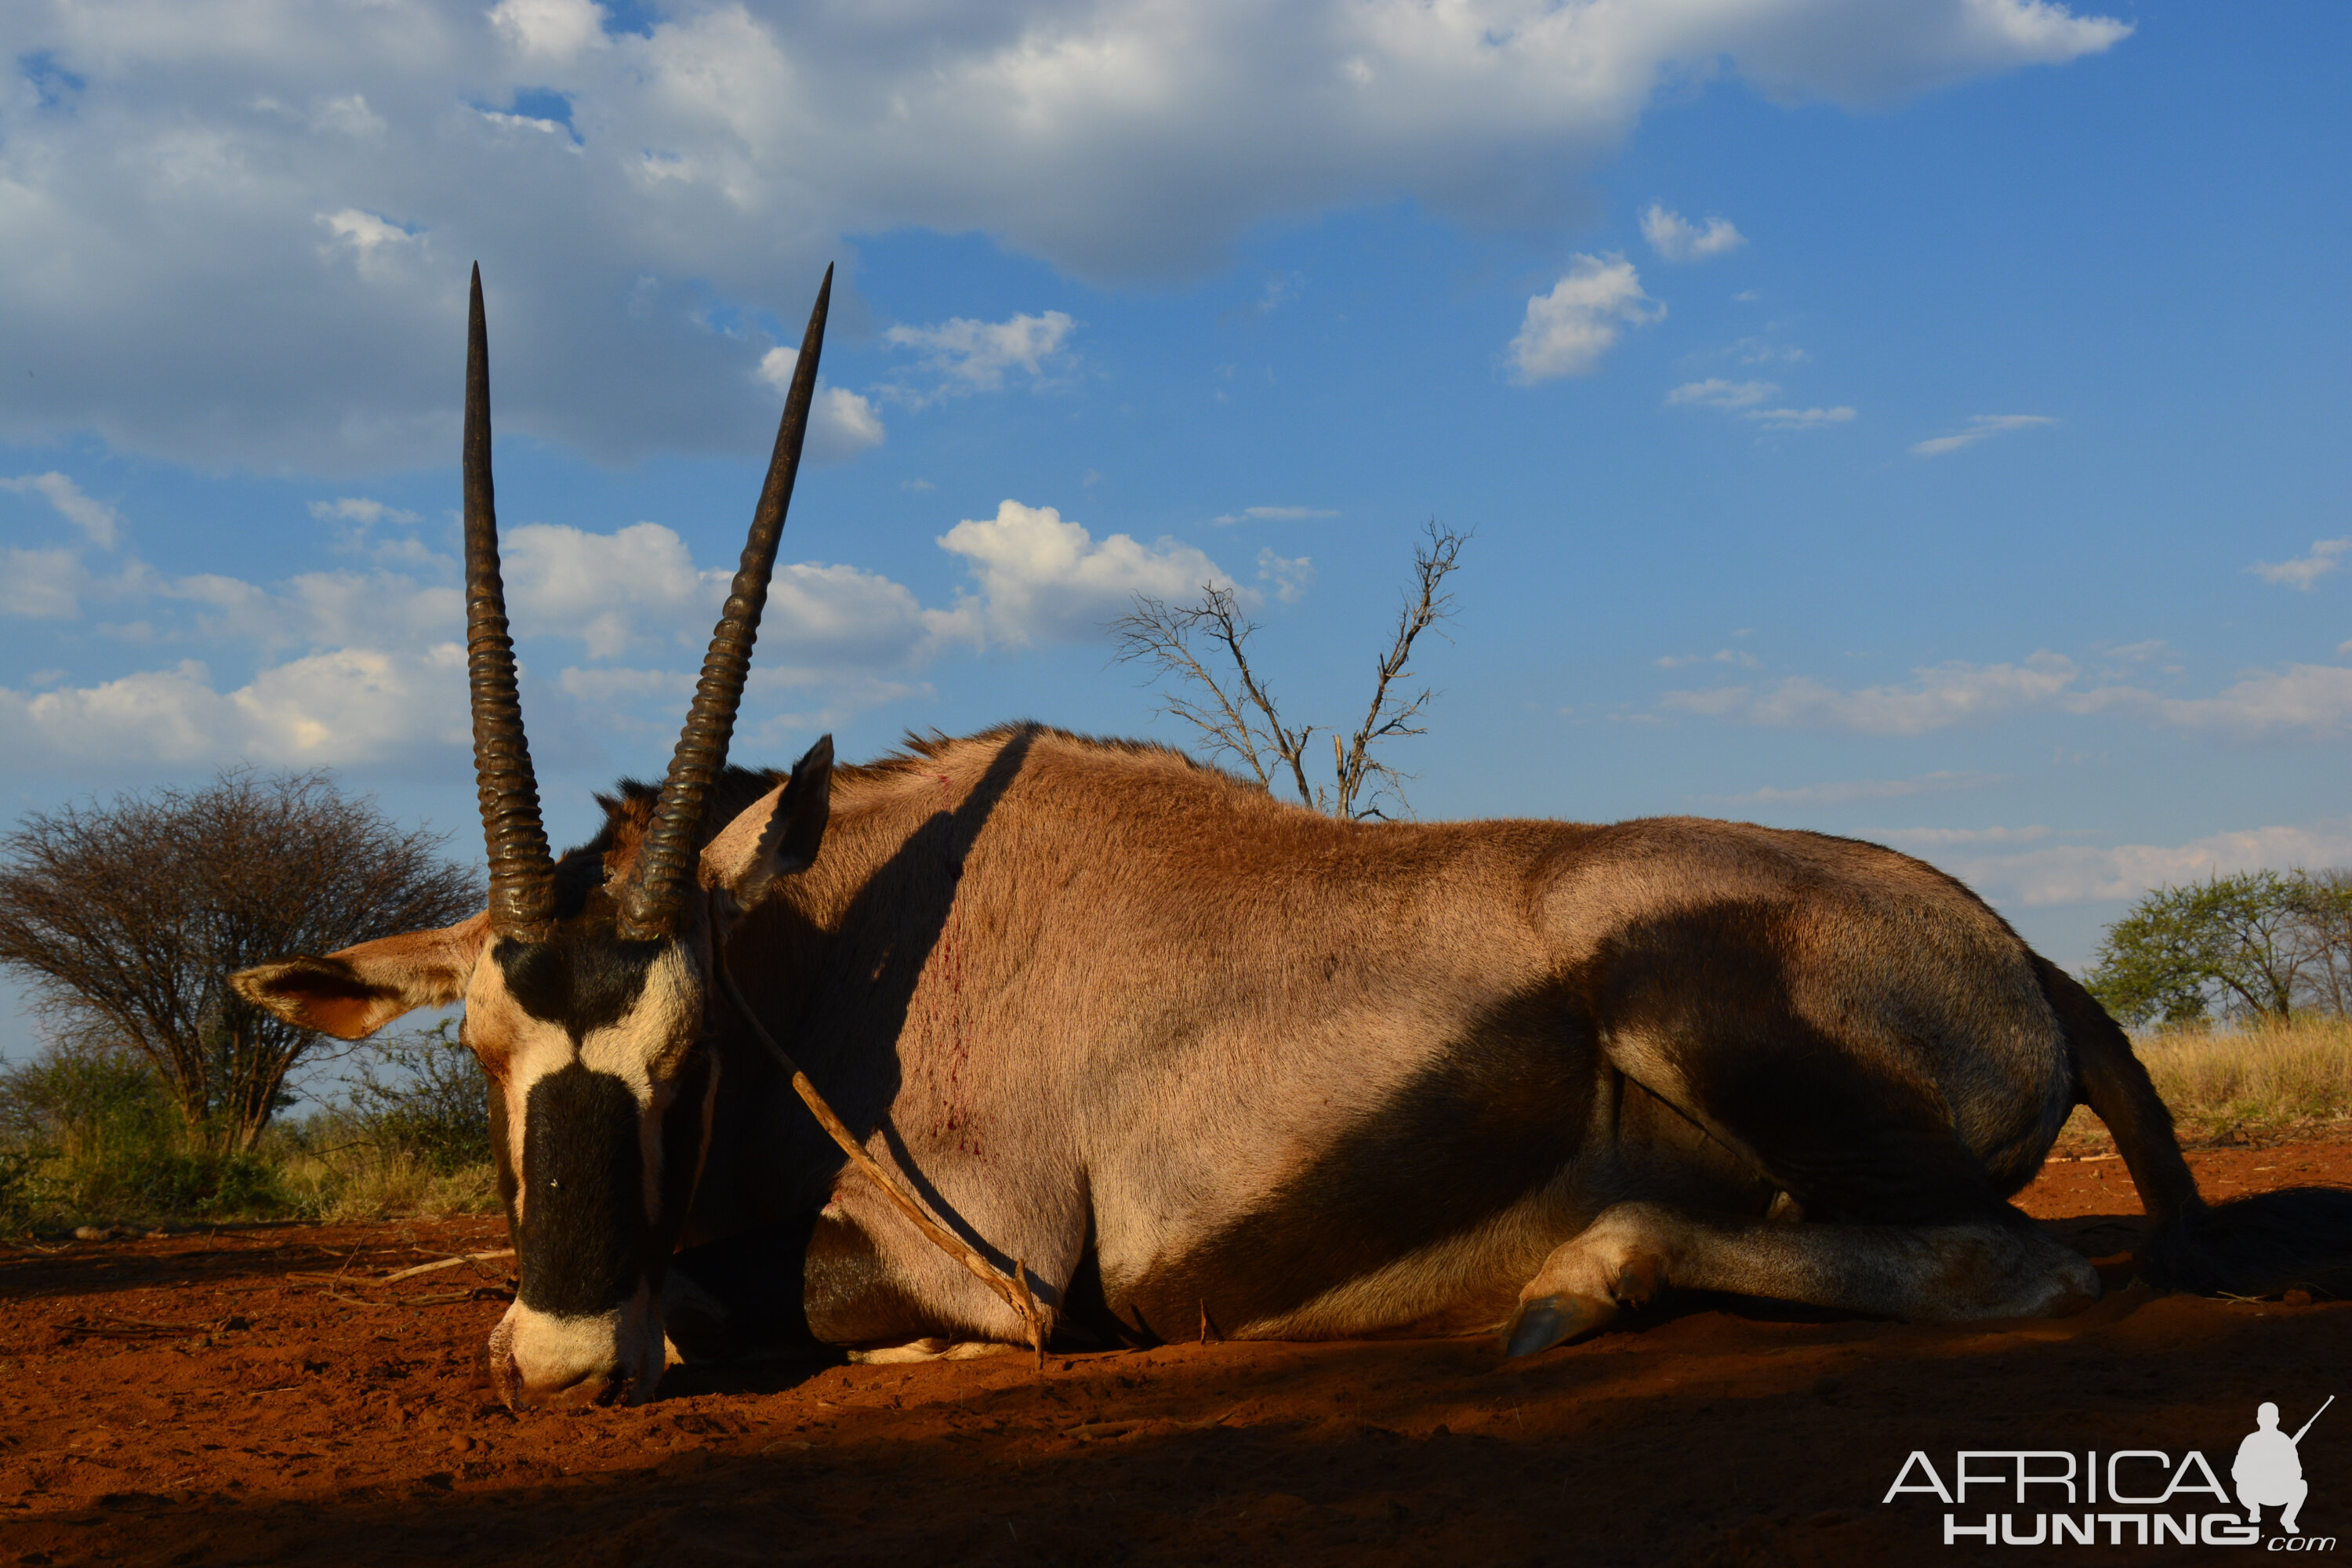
[{"x": 588, "y": 987}]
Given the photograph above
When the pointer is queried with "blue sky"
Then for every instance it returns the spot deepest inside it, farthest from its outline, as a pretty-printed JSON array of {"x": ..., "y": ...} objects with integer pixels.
[{"x": 1918, "y": 422}]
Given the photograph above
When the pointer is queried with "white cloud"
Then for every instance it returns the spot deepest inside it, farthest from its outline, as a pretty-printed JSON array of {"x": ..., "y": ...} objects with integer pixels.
[
  {"x": 1675, "y": 238},
  {"x": 967, "y": 356},
  {"x": 2303, "y": 572},
  {"x": 305, "y": 308},
  {"x": 365, "y": 668},
  {"x": 2079, "y": 873},
  {"x": 1980, "y": 426},
  {"x": 1848, "y": 792},
  {"x": 1800, "y": 418},
  {"x": 359, "y": 509},
  {"x": 339, "y": 708},
  {"x": 842, "y": 423},
  {"x": 1286, "y": 577},
  {"x": 552, "y": 30},
  {"x": 1761, "y": 351},
  {"x": 1717, "y": 392},
  {"x": 94, "y": 518},
  {"x": 1272, "y": 514},
  {"x": 1740, "y": 656},
  {"x": 1567, "y": 330},
  {"x": 1041, "y": 577},
  {"x": 40, "y": 584},
  {"x": 1921, "y": 840},
  {"x": 2303, "y": 701}
]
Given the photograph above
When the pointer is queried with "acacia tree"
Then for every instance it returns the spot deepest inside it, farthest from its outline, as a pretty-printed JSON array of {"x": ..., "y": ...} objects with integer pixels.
[
  {"x": 131, "y": 917},
  {"x": 1187, "y": 645},
  {"x": 2257, "y": 943}
]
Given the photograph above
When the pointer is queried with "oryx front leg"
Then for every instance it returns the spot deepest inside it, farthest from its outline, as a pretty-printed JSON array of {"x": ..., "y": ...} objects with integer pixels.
[
  {"x": 2000, "y": 1267},
  {"x": 1619, "y": 1259}
]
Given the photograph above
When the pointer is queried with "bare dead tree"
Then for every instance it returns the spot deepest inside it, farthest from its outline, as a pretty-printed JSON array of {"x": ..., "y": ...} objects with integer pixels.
[
  {"x": 1234, "y": 712},
  {"x": 131, "y": 917}
]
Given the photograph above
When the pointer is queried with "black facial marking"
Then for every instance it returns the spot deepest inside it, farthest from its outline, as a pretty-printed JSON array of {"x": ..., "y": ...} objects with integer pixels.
[
  {"x": 581, "y": 981},
  {"x": 1490, "y": 1119},
  {"x": 583, "y": 1214}
]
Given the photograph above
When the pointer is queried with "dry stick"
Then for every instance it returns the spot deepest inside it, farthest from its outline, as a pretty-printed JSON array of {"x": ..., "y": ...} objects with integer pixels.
[
  {"x": 1014, "y": 1293},
  {"x": 447, "y": 1263}
]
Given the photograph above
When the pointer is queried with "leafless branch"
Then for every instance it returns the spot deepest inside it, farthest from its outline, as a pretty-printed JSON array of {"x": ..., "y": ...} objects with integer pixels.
[
  {"x": 1237, "y": 716},
  {"x": 1362, "y": 779},
  {"x": 1242, "y": 721}
]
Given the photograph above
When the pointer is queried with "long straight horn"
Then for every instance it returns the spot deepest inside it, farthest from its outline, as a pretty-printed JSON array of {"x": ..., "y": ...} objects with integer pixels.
[
  {"x": 650, "y": 903},
  {"x": 522, "y": 875}
]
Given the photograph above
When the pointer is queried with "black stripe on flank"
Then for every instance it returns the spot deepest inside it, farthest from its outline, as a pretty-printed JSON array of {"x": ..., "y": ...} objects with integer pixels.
[
  {"x": 583, "y": 1212},
  {"x": 1491, "y": 1118}
]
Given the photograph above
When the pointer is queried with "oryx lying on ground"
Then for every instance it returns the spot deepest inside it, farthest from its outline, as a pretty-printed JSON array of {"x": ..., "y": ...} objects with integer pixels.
[{"x": 1211, "y": 1064}]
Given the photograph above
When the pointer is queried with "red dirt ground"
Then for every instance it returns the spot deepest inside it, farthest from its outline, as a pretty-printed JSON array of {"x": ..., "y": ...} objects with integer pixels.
[{"x": 246, "y": 1396}]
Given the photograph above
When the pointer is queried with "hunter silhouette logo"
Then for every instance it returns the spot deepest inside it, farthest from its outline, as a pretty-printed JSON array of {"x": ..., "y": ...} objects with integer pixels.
[
  {"x": 2269, "y": 1471},
  {"x": 2126, "y": 1497}
]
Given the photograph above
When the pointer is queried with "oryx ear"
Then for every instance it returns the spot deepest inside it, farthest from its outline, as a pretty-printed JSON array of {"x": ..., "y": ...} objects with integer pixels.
[
  {"x": 354, "y": 993},
  {"x": 777, "y": 834}
]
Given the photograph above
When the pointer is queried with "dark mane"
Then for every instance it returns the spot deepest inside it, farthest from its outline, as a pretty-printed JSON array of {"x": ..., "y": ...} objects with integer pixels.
[
  {"x": 585, "y": 869},
  {"x": 917, "y": 750}
]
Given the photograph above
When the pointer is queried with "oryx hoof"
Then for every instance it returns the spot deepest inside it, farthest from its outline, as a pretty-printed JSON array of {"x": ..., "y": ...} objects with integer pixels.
[{"x": 1548, "y": 1320}]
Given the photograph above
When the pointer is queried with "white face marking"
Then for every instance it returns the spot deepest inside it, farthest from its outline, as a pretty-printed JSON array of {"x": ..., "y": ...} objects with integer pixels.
[
  {"x": 643, "y": 1050},
  {"x": 552, "y": 1353}
]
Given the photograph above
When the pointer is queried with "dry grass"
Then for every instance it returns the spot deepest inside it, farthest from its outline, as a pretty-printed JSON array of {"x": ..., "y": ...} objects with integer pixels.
[
  {"x": 370, "y": 1183},
  {"x": 161, "y": 1181},
  {"x": 2260, "y": 1080}
]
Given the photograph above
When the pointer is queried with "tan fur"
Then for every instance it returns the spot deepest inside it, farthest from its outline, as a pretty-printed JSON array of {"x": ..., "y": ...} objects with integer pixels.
[{"x": 1123, "y": 994}]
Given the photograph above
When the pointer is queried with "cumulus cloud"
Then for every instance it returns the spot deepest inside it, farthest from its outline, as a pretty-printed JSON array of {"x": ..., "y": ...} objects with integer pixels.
[
  {"x": 366, "y": 667},
  {"x": 842, "y": 423},
  {"x": 1042, "y": 578},
  {"x": 1717, "y": 392},
  {"x": 1675, "y": 238},
  {"x": 2082, "y": 873},
  {"x": 967, "y": 356},
  {"x": 1981, "y": 426},
  {"x": 2302, "y": 573},
  {"x": 1287, "y": 576},
  {"x": 40, "y": 584},
  {"x": 313, "y": 248},
  {"x": 94, "y": 518},
  {"x": 1567, "y": 330},
  {"x": 340, "y": 706}
]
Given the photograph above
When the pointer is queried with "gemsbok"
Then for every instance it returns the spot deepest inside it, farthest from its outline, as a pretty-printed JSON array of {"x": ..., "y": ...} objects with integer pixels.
[{"x": 1176, "y": 1059}]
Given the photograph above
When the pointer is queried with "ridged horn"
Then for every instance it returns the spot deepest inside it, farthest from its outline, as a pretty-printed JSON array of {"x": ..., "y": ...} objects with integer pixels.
[
  {"x": 665, "y": 868},
  {"x": 522, "y": 873}
]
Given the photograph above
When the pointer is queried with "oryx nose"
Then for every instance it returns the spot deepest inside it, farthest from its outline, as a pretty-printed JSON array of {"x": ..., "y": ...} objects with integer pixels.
[{"x": 590, "y": 1388}]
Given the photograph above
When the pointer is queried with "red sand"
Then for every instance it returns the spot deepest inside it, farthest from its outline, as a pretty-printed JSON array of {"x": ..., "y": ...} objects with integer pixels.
[{"x": 277, "y": 1416}]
